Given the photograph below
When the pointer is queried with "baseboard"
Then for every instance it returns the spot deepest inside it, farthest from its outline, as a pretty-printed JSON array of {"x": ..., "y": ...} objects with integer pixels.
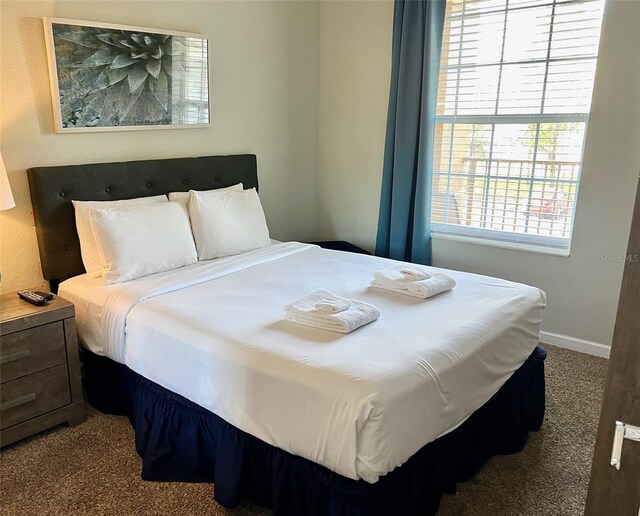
[{"x": 583, "y": 346}]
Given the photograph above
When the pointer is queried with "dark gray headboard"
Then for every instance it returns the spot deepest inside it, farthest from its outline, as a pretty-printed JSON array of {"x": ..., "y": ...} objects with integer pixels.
[{"x": 53, "y": 189}]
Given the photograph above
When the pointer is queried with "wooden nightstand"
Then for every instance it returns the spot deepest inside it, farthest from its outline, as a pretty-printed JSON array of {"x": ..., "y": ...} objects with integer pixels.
[
  {"x": 40, "y": 384},
  {"x": 341, "y": 245}
]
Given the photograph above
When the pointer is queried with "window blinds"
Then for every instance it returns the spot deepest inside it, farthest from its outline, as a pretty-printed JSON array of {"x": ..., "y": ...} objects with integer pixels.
[
  {"x": 515, "y": 88},
  {"x": 190, "y": 77}
]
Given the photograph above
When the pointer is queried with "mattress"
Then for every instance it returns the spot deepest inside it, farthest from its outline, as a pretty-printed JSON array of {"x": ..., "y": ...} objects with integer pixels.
[{"x": 360, "y": 404}]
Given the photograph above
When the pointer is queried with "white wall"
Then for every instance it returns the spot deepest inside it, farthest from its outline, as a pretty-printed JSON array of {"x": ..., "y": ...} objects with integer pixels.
[
  {"x": 583, "y": 290},
  {"x": 355, "y": 68},
  {"x": 264, "y": 92}
]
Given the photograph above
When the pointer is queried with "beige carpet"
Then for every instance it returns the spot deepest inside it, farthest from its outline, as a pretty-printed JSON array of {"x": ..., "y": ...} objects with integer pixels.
[{"x": 93, "y": 468}]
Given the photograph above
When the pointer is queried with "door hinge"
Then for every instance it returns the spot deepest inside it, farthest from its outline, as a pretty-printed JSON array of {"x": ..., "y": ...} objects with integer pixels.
[{"x": 622, "y": 432}]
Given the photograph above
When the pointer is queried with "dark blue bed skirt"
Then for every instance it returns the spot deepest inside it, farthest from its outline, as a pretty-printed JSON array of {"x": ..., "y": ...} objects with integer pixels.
[{"x": 180, "y": 441}]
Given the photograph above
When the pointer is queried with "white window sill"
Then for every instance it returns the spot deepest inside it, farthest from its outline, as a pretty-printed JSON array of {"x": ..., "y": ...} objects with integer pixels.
[{"x": 516, "y": 246}]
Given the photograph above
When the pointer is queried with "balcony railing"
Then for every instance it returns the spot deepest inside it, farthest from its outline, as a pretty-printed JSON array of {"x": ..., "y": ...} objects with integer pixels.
[{"x": 514, "y": 195}]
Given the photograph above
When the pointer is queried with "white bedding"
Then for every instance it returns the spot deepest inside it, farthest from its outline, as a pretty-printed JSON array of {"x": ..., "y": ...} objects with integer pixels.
[{"x": 360, "y": 404}]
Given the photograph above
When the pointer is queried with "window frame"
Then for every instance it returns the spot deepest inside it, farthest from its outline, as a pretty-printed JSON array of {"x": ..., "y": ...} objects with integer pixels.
[{"x": 559, "y": 246}]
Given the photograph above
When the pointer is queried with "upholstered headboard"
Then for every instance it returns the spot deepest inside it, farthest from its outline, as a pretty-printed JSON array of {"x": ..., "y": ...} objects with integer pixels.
[{"x": 53, "y": 189}]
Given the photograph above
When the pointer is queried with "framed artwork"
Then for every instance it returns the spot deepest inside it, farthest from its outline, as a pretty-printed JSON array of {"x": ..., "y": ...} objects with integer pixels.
[{"x": 108, "y": 77}]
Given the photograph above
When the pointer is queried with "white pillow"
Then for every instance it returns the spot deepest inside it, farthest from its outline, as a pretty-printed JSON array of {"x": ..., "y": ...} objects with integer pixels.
[
  {"x": 227, "y": 223},
  {"x": 141, "y": 240},
  {"x": 88, "y": 247},
  {"x": 183, "y": 197}
]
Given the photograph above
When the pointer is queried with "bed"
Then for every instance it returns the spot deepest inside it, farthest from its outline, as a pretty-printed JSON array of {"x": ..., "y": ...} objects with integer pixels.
[{"x": 219, "y": 388}]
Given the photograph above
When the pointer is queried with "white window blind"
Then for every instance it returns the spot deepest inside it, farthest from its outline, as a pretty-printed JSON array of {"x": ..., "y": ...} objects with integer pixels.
[
  {"x": 190, "y": 78},
  {"x": 515, "y": 87}
]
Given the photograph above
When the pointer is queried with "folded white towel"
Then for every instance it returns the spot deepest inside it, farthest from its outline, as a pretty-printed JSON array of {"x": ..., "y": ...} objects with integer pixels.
[
  {"x": 401, "y": 275},
  {"x": 423, "y": 289},
  {"x": 333, "y": 305},
  {"x": 414, "y": 273},
  {"x": 305, "y": 311}
]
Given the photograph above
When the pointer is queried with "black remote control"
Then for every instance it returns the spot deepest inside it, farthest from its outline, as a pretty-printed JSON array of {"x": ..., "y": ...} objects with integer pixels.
[
  {"x": 32, "y": 297},
  {"x": 48, "y": 296}
]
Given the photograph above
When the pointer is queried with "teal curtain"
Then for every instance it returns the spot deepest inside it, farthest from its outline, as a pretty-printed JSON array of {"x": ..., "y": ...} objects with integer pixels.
[{"x": 404, "y": 227}]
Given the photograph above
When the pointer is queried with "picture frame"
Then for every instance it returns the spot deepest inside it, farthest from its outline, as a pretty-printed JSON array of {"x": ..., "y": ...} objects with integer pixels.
[{"x": 111, "y": 77}]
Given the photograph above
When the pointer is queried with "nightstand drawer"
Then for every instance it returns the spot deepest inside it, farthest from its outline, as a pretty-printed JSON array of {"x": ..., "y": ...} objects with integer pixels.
[
  {"x": 28, "y": 351},
  {"x": 33, "y": 395}
]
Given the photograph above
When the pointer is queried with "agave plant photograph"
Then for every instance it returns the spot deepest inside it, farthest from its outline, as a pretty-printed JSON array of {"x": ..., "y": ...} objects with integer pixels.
[{"x": 117, "y": 77}]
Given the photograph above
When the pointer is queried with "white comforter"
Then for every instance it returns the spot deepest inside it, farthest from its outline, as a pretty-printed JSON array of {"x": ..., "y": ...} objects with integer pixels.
[{"x": 360, "y": 404}]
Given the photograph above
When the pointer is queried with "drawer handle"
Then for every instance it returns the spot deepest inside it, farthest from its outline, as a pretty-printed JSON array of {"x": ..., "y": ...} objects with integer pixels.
[
  {"x": 12, "y": 357},
  {"x": 27, "y": 398}
]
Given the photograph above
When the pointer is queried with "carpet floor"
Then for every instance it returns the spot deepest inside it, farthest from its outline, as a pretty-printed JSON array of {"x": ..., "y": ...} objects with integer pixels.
[{"x": 93, "y": 468}]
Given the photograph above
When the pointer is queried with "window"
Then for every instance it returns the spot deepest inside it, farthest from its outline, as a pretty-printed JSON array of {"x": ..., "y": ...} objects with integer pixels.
[
  {"x": 190, "y": 77},
  {"x": 514, "y": 95}
]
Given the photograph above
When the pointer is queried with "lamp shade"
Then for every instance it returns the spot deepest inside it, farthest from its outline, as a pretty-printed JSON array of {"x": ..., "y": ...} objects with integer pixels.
[{"x": 6, "y": 197}]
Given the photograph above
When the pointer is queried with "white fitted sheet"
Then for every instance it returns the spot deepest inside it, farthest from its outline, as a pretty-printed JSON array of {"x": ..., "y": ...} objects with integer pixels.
[{"x": 360, "y": 404}]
